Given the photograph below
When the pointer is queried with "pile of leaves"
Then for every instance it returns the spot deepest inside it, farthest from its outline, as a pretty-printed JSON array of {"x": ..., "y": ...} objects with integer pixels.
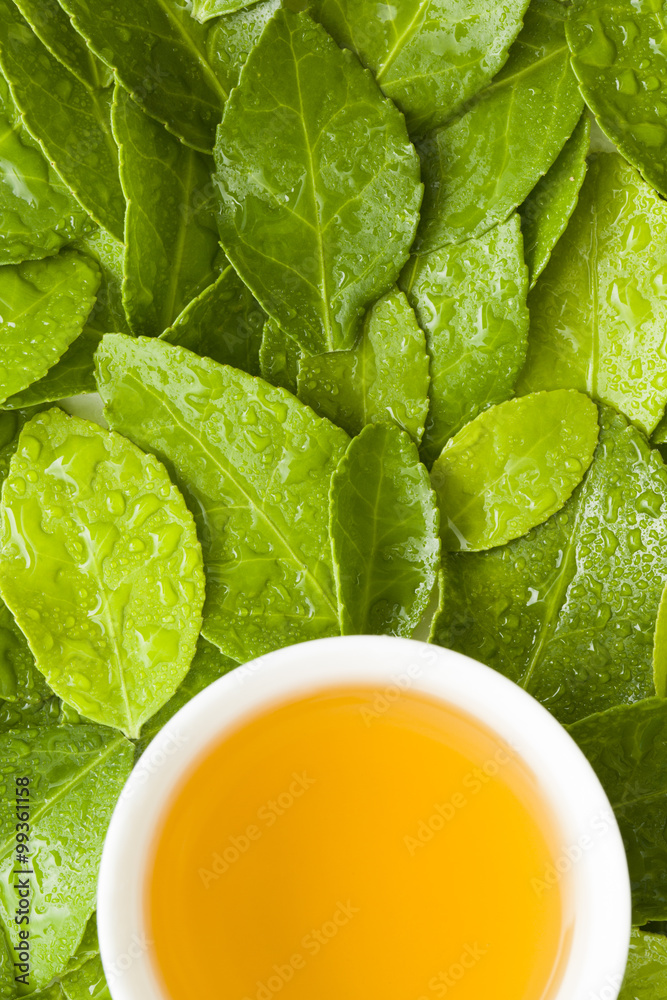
[{"x": 377, "y": 309}]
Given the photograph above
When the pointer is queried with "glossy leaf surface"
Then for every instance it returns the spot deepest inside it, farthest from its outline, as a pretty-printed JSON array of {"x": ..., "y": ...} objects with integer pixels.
[
  {"x": 385, "y": 377},
  {"x": 76, "y": 775},
  {"x": 627, "y": 747},
  {"x": 104, "y": 575},
  {"x": 599, "y": 310},
  {"x": 233, "y": 37},
  {"x": 318, "y": 183},
  {"x": 513, "y": 467},
  {"x": 54, "y": 28},
  {"x": 171, "y": 237},
  {"x": 44, "y": 305},
  {"x": 384, "y": 533},
  {"x": 204, "y": 10},
  {"x": 108, "y": 313},
  {"x": 72, "y": 375},
  {"x": 157, "y": 51},
  {"x": 255, "y": 466},
  {"x": 471, "y": 302},
  {"x": 568, "y": 612},
  {"x": 280, "y": 358},
  {"x": 483, "y": 164},
  {"x": 646, "y": 974},
  {"x": 660, "y": 649}
]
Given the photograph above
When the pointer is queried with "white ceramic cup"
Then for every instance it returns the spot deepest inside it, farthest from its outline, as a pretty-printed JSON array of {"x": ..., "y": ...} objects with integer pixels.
[{"x": 593, "y": 853}]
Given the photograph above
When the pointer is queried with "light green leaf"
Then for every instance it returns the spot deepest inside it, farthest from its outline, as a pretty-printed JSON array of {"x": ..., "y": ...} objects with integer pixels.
[
  {"x": 428, "y": 57},
  {"x": 104, "y": 576},
  {"x": 568, "y": 611},
  {"x": 548, "y": 208},
  {"x": 71, "y": 120},
  {"x": 599, "y": 310},
  {"x": 204, "y": 10},
  {"x": 319, "y": 185},
  {"x": 89, "y": 946},
  {"x": 646, "y": 974},
  {"x": 513, "y": 467},
  {"x": 660, "y": 648},
  {"x": 384, "y": 377},
  {"x": 72, "y": 375},
  {"x": 43, "y": 309},
  {"x": 279, "y": 361},
  {"x": 659, "y": 435},
  {"x": 233, "y": 37},
  {"x": 171, "y": 239},
  {"x": 627, "y": 747},
  {"x": 53, "y": 27},
  {"x": 471, "y": 302},
  {"x": 482, "y": 165},
  {"x": 108, "y": 313},
  {"x": 255, "y": 466},
  {"x": 384, "y": 533},
  {"x": 157, "y": 51},
  {"x": 618, "y": 57},
  {"x": 86, "y": 983},
  {"x": 76, "y": 775}
]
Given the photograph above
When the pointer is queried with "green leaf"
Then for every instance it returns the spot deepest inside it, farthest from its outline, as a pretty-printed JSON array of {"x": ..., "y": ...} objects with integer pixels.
[
  {"x": 76, "y": 775},
  {"x": 483, "y": 164},
  {"x": 43, "y": 309},
  {"x": 71, "y": 120},
  {"x": 47, "y": 712},
  {"x": 599, "y": 310},
  {"x": 617, "y": 55},
  {"x": 53, "y": 27},
  {"x": 204, "y": 10},
  {"x": 513, "y": 467},
  {"x": 232, "y": 38},
  {"x": 225, "y": 323},
  {"x": 255, "y": 466},
  {"x": 158, "y": 54},
  {"x": 646, "y": 974},
  {"x": 568, "y": 612},
  {"x": 89, "y": 946},
  {"x": 548, "y": 208},
  {"x": 72, "y": 375},
  {"x": 319, "y": 185},
  {"x": 429, "y": 58},
  {"x": 384, "y": 533},
  {"x": 385, "y": 377},
  {"x": 170, "y": 232},
  {"x": 279, "y": 361},
  {"x": 627, "y": 747},
  {"x": 659, "y": 435},
  {"x": 104, "y": 576},
  {"x": 471, "y": 302},
  {"x": 108, "y": 314},
  {"x": 660, "y": 649},
  {"x": 86, "y": 983}
]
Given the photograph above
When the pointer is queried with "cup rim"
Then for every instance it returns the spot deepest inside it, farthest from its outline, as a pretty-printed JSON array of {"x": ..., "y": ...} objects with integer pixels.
[{"x": 593, "y": 850}]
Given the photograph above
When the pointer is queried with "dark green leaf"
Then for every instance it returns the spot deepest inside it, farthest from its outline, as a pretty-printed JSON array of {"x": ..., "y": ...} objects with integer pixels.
[
  {"x": 73, "y": 374},
  {"x": 232, "y": 38},
  {"x": 660, "y": 649},
  {"x": 279, "y": 361},
  {"x": 482, "y": 165},
  {"x": 53, "y": 27},
  {"x": 319, "y": 184},
  {"x": 646, "y": 974},
  {"x": 384, "y": 533},
  {"x": 599, "y": 310},
  {"x": 471, "y": 301},
  {"x": 568, "y": 612},
  {"x": 255, "y": 466}
]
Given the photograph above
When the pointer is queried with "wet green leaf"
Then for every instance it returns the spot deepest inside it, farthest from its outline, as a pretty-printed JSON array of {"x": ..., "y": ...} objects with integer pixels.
[
  {"x": 71, "y": 120},
  {"x": 568, "y": 612},
  {"x": 471, "y": 302},
  {"x": 646, "y": 974},
  {"x": 204, "y": 10},
  {"x": 255, "y": 466},
  {"x": 384, "y": 533},
  {"x": 384, "y": 377},
  {"x": 73, "y": 374},
  {"x": 618, "y": 57},
  {"x": 157, "y": 51},
  {"x": 279, "y": 361},
  {"x": 548, "y": 208},
  {"x": 513, "y": 467},
  {"x": 108, "y": 313},
  {"x": 76, "y": 774},
  {"x": 104, "y": 575},
  {"x": 483, "y": 164},
  {"x": 660, "y": 649},
  {"x": 233, "y": 37},
  {"x": 627, "y": 747},
  {"x": 53, "y": 27},
  {"x": 86, "y": 983},
  {"x": 89, "y": 946},
  {"x": 319, "y": 185},
  {"x": 599, "y": 310},
  {"x": 44, "y": 305},
  {"x": 171, "y": 236}
]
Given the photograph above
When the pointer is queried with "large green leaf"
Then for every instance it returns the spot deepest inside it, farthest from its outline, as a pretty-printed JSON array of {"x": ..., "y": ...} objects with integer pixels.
[
  {"x": 618, "y": 56},
  {"x": 104, "y": 574},
  {"x": 72, "y": 375},
  {"x": 53, "y": 27},
  {"x": 627, "y": 747},
  {"x": 171, "y": 238},
  {"x": 483, "y": 164},
  {"x": 568, "y": 611},
  {"x": 157, "y": 51},
  {"x": 255, "y": 466},
  {"x": 384, "y": 533},
  {"x": 76, "y": 774},
  {"x": 599, "y": 310},
  {"x": 646, "y": 974},
  {"x": 71, "y": 120},
  {"x": 233, "y": 37},
  {"x": 43, "y": 308},
  {"x": 471, "y": 302},
  {"x": 384, "y": 377},
  {"x": 319, "y": 185},
  {"x": 513, "y": 467},
  {"x": 548, "y": 208}
]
